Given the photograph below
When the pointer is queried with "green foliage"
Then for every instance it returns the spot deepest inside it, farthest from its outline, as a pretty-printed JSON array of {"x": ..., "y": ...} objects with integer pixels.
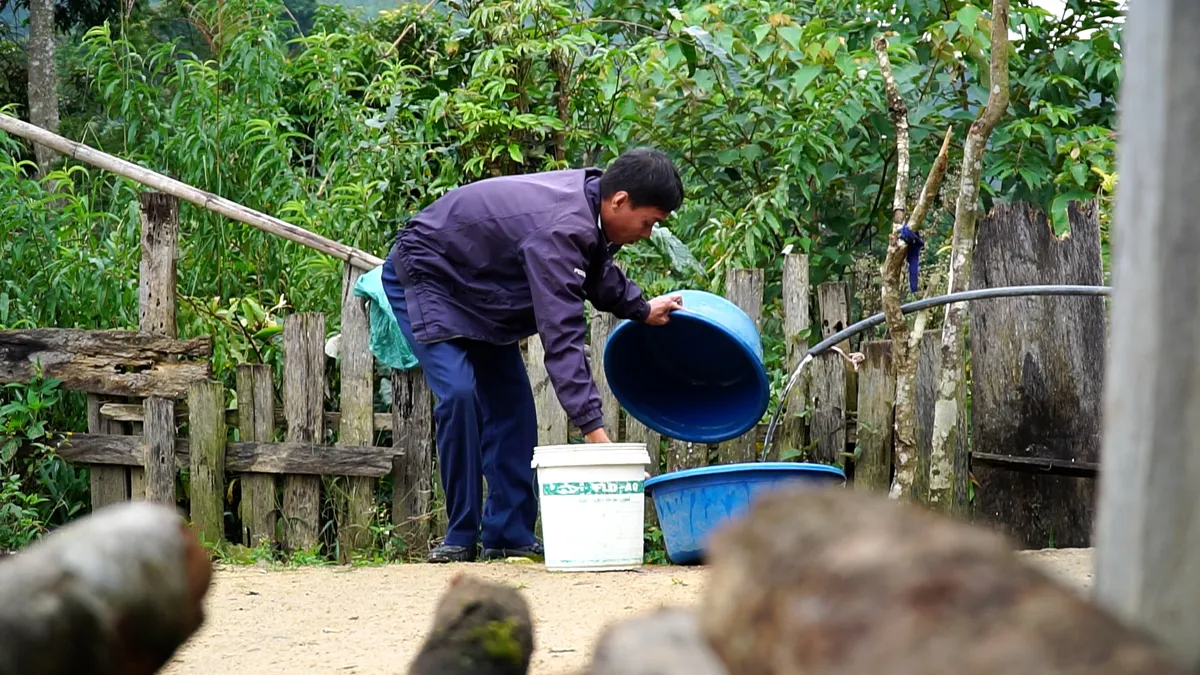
[{"x": 37, "y": 489}]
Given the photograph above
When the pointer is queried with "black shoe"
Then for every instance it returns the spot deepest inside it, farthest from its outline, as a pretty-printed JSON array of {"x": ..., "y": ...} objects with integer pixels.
[
  {"x": 534, "y": 551},
  {"x": 446, "y": 553}
]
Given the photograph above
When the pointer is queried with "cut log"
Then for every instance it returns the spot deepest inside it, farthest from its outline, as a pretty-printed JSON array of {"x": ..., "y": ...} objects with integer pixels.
[
  {"x": 113, "y": 362},
  {"x": 116, "y": 592}
]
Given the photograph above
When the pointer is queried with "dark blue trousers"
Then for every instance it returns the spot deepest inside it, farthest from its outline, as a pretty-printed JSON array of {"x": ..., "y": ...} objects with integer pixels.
[{"x": 486, "y": 427}]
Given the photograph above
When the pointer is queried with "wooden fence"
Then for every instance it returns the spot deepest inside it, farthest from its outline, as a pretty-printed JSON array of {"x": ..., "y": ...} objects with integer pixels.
[{"x": 146, "y": 387}]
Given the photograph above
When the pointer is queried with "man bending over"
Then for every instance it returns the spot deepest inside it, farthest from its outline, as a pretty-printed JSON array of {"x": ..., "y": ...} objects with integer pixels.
[{"x": 498, "y": 260}]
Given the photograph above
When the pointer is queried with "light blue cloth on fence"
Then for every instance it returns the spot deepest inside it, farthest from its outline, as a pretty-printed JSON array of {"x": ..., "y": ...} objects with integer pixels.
[{"x": 387, "y": 342}]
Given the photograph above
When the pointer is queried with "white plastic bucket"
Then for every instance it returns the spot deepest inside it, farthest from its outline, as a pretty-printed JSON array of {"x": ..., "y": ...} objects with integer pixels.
[{"x": 592, "y": 499}]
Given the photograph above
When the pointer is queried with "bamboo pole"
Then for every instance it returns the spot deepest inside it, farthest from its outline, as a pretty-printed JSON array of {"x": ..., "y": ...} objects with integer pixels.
[{"x": 270, "y": 224}]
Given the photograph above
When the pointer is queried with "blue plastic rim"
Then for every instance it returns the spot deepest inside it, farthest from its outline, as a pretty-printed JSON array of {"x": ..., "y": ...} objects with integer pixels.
[
  {"x": 699, "y": 378},
  {"x": 691, "y": 504}
]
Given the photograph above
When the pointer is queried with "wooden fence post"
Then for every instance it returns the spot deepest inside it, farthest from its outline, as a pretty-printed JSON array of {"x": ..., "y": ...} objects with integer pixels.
[
  {"x": 206, "y": 426},
  {"x": 929, "y": 364},
  {"x": 828, "y": 384},
  {"x": 744, "y": 288},
  {"x": 412, "y": 473},
  {"x": 602, "y": 326},
  {"x": 876, "y": 408},
  {"x": 796, "y": 324},
  {"x": 304, "y": 407},
  {"x": 156, "y": 314},
  {"x": 256, "y": 422},
  {"x": 552, "y": 419},
  {"x": 357, "y": 506}
]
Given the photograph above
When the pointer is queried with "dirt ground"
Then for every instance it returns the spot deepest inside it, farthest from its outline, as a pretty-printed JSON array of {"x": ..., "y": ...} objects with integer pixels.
[{"x": 371, "y": 620}]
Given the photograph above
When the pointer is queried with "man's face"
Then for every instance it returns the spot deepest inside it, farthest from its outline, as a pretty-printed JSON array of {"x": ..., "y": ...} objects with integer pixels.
[{"x": 624, "y": 223}]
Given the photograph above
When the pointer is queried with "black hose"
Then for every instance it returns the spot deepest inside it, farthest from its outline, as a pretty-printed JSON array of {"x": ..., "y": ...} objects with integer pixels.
[{"x": 916, "y": 306}]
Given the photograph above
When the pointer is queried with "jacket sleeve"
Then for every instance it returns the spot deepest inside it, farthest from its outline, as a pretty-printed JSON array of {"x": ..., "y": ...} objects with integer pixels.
[
  {"x": 554, "y": 259},
  {"x": 611, "y": 291}
]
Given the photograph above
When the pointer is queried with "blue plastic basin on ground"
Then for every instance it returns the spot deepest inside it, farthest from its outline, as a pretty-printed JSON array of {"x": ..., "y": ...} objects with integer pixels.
[
  {"x": 699, "y": 378},
  {"x": 691, "y": 503}
]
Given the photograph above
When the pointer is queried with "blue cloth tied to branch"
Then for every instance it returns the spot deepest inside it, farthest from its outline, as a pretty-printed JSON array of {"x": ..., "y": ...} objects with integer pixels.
[{"x": 912, "y": 254}]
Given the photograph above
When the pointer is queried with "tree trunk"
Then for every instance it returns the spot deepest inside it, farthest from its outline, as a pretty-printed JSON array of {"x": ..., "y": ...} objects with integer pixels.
[
  {"x": 43, "y": 82},
  {"x": 947, "y": 413}
]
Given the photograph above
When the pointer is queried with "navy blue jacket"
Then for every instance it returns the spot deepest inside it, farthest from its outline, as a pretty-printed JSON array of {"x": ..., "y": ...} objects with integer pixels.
[{"x": 504, "y": 258}]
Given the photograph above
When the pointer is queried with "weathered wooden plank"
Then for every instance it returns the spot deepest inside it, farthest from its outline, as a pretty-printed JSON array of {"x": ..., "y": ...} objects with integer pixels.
[
  {"x": 412, "y": 477},
  {"x": 109, "y": 484},
  {"x": 241, "y": 456},
  {"x": 1037, "y": 366},
  {"x": 206, "y": 459},
  {"x": 259, "y": 504},
  {"x": 744, "y": 288},
  {"x": 796, "y": 326},
  {"x": 833, "y": 303},
  {"x": 876, "y": 401},
  {"x": 159, "y": 441},
  {"x": 356, "y": 494},
  {"x": 828, "y": 388},
  {"x": 827, "y": 399},
  {"x": 132, "y": 412},
  {"x": 929, "y": 364},
  {"x": 303, "y": 403},
  {"x": 552, "y": 419},
  {"x": 115, "y": 362},
  {"x": 602, "y": 326}
]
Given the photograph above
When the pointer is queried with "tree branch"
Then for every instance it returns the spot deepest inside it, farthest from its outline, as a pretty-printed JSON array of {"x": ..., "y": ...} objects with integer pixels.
[{"x": 943, "y": 494}]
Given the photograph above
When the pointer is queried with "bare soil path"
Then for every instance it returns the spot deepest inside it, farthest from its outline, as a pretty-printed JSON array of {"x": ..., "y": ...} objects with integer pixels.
[{"x": 370, "y": 620}]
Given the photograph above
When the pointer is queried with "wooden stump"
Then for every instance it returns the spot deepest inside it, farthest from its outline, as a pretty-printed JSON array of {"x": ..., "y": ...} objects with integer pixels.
[{"x": 1037, "y": 366}]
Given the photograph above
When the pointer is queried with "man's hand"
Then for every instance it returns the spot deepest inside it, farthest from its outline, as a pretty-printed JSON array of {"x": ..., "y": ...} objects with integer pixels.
[
  {"x": 661, "y": 308},
  {"x": 597, "y": 436}
]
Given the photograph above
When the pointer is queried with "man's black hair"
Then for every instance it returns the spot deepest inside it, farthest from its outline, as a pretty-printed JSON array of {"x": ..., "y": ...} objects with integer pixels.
[{"x": 647, "y": 175}]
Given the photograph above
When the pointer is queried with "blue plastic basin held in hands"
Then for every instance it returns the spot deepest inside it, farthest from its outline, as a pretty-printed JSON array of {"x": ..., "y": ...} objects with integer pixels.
[
  {"x": 699, "y": 378},
  {"x": 693, "y": 503}
]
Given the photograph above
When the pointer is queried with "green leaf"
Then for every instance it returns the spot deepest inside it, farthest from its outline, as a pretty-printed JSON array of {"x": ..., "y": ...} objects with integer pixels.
[
  {"x": 967, "y": 16},
  {"x": 791, "y": 35},
  {"x": 804, "y": 77},
  {"x": 514, "y": 151}
]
